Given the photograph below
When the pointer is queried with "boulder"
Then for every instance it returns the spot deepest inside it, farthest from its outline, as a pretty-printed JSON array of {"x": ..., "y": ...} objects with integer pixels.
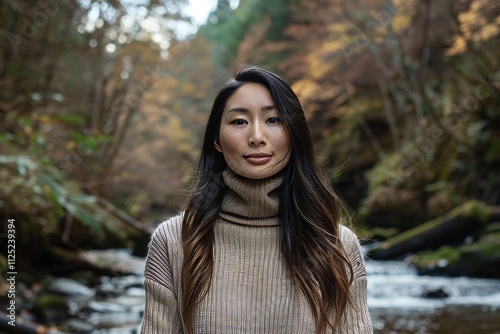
[
  {"x": 477, "y": 259},
  {"x": 389, "y": 207}
]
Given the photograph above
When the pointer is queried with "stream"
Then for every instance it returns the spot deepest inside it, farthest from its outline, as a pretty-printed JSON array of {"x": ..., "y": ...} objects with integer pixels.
[{"x": 399, "y": 300}]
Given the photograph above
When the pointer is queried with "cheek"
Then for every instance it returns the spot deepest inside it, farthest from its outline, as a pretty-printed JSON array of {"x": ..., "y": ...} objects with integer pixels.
[
  {"x": 227, "y": 141},
  {"x": 282, "y": 141}
]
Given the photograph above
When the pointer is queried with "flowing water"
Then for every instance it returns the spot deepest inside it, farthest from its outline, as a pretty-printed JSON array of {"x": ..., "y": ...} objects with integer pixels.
[{"x": 400, "y": 302}]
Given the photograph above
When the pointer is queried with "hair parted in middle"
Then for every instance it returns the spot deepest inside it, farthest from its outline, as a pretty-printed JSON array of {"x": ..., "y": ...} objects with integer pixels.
[{"x": 309, "y": 211}]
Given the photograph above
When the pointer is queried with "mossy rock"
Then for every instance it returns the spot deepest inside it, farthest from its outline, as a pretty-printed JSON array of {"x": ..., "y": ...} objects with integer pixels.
[
  {"x": 440, "y": 202},
  {"x": 467, "y": 219},
  {"x": 478, "y": 259},
  {"x": 392, "y": 172},
  {"x": 492, "y": 228},
  {"x": 388, "y": 207},
  {"x": 380, "y": 233},
  {"x": 441, "y": 257},
  {"x": 51, "y": 308}
]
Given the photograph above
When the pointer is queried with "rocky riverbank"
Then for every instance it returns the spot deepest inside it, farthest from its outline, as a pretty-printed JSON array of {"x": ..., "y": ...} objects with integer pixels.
[{"x": 108, "y": 300}]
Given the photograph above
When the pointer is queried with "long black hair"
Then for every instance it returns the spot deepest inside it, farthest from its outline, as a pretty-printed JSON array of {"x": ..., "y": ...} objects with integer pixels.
[{"x": 309, "y": 211}]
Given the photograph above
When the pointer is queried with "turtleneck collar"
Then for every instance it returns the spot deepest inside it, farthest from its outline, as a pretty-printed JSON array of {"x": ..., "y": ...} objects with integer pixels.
[{"x": 250, "y": 202}]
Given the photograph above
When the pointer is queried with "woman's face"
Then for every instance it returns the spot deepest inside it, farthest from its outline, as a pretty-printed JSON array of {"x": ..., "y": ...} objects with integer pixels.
[{"x": 252, "y": 137}]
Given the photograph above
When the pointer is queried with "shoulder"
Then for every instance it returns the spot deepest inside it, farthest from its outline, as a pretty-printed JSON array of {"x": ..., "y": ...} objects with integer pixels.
[
  {"x": 169, "y": 227},
  {"x": 167, "y": 234},
  {"x": 351, "y": 245},
  {"x": 163, "y": 252},
  {"x": 348, "y": 237}
]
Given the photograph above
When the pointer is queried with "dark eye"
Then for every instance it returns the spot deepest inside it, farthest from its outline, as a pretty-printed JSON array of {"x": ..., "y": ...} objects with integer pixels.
[
  {"x": 273, "y": 120},
  {"x": 238, "y": 122}
]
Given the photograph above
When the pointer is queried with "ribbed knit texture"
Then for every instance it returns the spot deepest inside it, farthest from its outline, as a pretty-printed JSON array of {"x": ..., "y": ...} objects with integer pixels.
[{"x": 251, "y": 290}]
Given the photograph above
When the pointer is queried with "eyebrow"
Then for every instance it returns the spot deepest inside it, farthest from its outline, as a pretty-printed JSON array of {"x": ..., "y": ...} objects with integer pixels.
[{"x": 241, "y": 109}]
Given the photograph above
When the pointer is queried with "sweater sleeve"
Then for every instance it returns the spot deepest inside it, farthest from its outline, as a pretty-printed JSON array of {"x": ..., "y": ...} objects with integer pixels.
[
  {"x": 357, "y": 316},
  {"x": 161, "y": 313}
]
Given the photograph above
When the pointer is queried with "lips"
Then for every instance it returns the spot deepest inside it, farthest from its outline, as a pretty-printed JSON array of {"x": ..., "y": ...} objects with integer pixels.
[{"x": 258, "y": 158}]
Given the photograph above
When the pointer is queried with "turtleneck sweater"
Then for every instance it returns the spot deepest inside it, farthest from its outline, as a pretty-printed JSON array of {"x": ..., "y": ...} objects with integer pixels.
[{"x": 251, "y": 289}]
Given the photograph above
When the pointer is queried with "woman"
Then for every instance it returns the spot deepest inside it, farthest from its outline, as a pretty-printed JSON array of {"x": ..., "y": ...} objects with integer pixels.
[{"x": 259, "y": 247}]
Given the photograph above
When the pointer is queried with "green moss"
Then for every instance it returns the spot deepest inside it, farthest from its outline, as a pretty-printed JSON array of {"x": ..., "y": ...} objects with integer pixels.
[
  {"x": 431, "y": 259},
  {"x": 480, "y": 258},
  {"x": 493, "y": 153},
  {"x": 384, "y": 233},
  {"x": 475, "y": 210},
  {"x": 51, "y": 308},
  {"x": 387, "y": 172},
  {"x": 49, "y": 300},
  {"x": 488, "y": 246},
  {"x": 492, "y": 228},
  {"x": 440, "y": 202}
]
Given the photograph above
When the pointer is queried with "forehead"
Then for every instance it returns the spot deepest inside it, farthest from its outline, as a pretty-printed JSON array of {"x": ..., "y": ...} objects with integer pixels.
[{"x": 250, "y": 94}]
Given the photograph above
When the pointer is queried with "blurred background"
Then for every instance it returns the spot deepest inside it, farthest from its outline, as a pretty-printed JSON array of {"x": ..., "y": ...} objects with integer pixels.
[{"x": 102, "y": 109}]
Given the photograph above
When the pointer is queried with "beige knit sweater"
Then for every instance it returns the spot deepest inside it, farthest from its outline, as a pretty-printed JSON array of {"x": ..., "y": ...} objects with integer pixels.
[{"x": 251, "y": 291}]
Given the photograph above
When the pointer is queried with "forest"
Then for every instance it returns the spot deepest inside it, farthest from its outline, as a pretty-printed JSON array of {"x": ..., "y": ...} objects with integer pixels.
[{"x": 103, "y": 106}]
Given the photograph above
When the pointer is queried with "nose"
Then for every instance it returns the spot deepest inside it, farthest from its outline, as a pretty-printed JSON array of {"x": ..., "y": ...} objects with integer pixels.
[{"x": 257, "y": 136}]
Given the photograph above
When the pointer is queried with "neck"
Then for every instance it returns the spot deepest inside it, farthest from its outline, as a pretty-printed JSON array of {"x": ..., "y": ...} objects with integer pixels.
[{"x": 251, "y": 202}]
